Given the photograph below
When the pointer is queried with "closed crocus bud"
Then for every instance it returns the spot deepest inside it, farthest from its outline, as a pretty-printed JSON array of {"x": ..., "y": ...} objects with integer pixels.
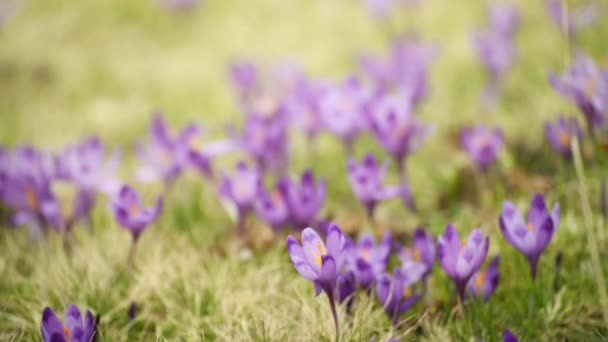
[
  {"x": 482, "y": 145},
  {"x": 242, "y": 189},
  {"x": 532, "y": 236},
  {"x": 272, "y": 207},
  {"x": 305, "y": 199},
  {"x": 395, "y": 294},
  {"x": 422, "y": 251}
]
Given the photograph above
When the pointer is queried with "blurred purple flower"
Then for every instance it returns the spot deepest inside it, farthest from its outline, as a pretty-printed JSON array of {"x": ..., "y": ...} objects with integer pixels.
[
  {"x": 508, "y": 336},
  {"x": 245, "y": 77},
  {"x": 346, "y": 288},
  {"x": 319, "y": 262},
  {"x": 265, "y": 139},
  {"x": 575, "y": 19},
  {"x": 405, "y": 68},
  {"x": 342, "y": 110},
  {"x": 483, "y": 283},
  {"x": 272, "y": 207},
  {"x": 461, "y": 260},
  {"x": 305, "y": 199},
  {"x": 560, "y": 134},
  {"x": 74, "y": 330},
  {"x": 181, "y": 6},
  {"x": 242, "y": 189},
  {"x": 495, "y": 52},
  {"x": 395, "y": 293},
  {"x": 530, "y": 238},
  {"x": 367, "y": 259},
  {"x": 164, "y": 157},
  {"x": 482, "y": 144},
  {"x": 585, "y": 85},
  {"x": 380, "y": 9},
  {"x": 366, "y": 180},
  {"x": 26, "y": 177},
  {"x": 130, "y": 213},
  {"x": 503, "y": 19},
  {"x": 422, "y": 251},
  {"x": 395, "y": 127}
]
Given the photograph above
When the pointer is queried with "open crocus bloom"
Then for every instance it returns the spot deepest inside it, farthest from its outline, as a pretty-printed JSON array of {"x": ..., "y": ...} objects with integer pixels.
[
  {"x": 483, "y": 283},
  {"x": 305, "y": 199},
  {"x": 421, "y": 253},
  {"x": 460, "y": 260},
  {"x": 74, "y": 330},
  {"x": 367, "y": 178},
  {"x": 586, "y": 85},
  {"x": 396, "y": 128},
  {"x": 319, "y": 262},
  {"x": 368, "y": 260},
  {"x": 130, "y": 213},
  {"x": 530, "y": 236},
  {"x": 272, "y": 207}
]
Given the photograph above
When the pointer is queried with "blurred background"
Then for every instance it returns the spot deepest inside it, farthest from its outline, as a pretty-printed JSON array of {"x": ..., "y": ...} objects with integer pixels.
[{"x": 74, "y": 68}]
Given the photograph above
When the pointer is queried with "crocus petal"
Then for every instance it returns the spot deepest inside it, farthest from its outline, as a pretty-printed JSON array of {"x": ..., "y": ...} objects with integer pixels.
[
  {"x": 296, "y": 253},
  {"x": 313, "y": 248},
  {"x": 73, "y": 318},
  {"x": 328, "y": 273},
  {"x": 50, "y": 324}
]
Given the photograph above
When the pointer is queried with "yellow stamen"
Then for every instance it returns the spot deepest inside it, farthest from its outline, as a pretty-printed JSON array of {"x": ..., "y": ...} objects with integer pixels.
[
  {"x": 31, "y": 198},
  {"x": 318, "y": 259},
  {"x": 530, "y": 226},
  {"x": 67, "y": 333},
  {"x": 480, "y": 280},
  {"x": 407, "y": 292},
  {"x": 322, "y": 252}
]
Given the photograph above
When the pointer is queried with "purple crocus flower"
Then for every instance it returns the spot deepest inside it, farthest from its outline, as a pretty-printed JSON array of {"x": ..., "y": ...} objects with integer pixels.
[
  {"x": 368, "y": 260},
  {"x": 560, "y": 134},
  {"x": 482, "y": 144},
  {"x": 395, "y": 127},
  {"x": 366, "y": 180},
  {"x": 84, "y": 164},
  {"x": 181, "y": 6},
  {"x": 508, "y": 336},
  {"x": 272, "y": 207},
  {"x": 586, "y": 85},
  {"x": 461, "y": 260},
  {"x": 342, "y": 110},
  {"x": 346, "y": 288},
  {"x": 576, "y": 19},
  {"x": 165, "y": 156},
  {"x": 483, "y": 283},
  {"x": 305, "y": 199},
  {"x": 320, "y": 262},
  {"x": 422, "y": 251},
  {"x": 395, "y": 293},
  {"x": 130, "y": 213},
  {"x": 265, "y": 139},
  {"x": 503, "y": 19},
  {"x": 74, "y": 330},
  {"x": 244, "y": 75},
  {"x": 242, "y": 190},
  {"x": 530, "y": 238}
]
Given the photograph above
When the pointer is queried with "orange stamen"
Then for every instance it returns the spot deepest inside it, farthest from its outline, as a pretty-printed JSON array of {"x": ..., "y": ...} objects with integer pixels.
[
  {"x": 134, "y": 209},
  {"x": 31, "y": 199},
  {"x": 530, "y": 226},
  {"x": 67, "y": 333},
  {"x": 407, "y": 291},
  {"x": 480, "y": 280},
  {"x": 417, "y": 255},
  {"x": 564, "y": 139},
  {"x": 365, "y": 253}
]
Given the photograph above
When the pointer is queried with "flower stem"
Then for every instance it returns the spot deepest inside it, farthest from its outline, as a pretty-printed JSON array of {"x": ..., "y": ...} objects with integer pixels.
[
  {"x": 131, "y": 259},
  {"x": 332, "y": 304},
  {"x": 590, "y": 232}
]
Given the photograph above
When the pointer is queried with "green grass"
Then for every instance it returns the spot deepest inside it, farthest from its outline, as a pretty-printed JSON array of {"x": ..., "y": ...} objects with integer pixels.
[{"x": 69, "y": 69}]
